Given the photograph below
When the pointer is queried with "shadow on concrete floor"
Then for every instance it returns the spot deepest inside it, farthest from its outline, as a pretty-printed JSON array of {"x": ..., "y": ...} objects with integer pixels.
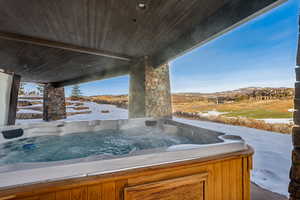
[{"x": 257, "y": 193}]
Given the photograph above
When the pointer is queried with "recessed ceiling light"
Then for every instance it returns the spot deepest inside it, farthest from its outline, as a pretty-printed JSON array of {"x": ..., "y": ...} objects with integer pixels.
[{"x": 142, "y": 5}]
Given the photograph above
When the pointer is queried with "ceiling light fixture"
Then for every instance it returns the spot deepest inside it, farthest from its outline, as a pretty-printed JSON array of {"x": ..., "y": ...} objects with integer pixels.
[{"x": 142, "y": 5}]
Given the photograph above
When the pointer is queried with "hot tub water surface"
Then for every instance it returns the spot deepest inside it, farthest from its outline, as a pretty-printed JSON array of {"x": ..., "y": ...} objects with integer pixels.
[{"x": 105, "y": 143}]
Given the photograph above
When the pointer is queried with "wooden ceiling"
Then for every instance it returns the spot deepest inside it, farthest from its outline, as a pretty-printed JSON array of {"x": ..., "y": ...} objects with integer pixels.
[{"x": 70, "y": 41}]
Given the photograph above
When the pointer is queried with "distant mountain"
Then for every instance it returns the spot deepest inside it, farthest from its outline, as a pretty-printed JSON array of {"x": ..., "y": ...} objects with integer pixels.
[
  {"x": 246, "y": 93},
  {"x": 255, "y": 93}
]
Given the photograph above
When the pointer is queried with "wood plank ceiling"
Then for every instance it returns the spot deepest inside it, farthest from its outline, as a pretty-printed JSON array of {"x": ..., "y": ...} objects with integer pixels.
[{"x": 116, "y": 27}]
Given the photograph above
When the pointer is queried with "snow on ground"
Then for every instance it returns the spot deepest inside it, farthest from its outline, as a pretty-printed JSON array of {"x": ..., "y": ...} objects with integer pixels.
[
  {"x": 26, "y": 96},
  {"x": 70, "y": 110},
  {"x": 27, "y": 121},
  {"x": 29, "y": 111},
  {"x": 35, "y": 105},
  {"x": 278, "y": 121},
  {"x": 31, "y": 100},
  {"x": 272, "y": 158},
  {"x": 211, "y": 113},
  {"x": 114, "y": 113}
]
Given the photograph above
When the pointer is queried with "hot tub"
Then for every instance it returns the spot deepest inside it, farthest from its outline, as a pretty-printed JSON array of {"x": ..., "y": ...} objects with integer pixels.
[{"x": 122, "y": 159}]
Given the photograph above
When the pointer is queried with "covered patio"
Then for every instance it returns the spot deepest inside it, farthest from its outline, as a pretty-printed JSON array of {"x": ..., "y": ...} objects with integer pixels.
[{"x": 61, "y": 43}]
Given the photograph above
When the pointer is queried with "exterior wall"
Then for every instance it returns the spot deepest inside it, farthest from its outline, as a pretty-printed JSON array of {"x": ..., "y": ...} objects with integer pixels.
[
  {"x": 54, "y": 103},
  {"x": 294, "y": 187},
  {"x": 5, "y": 88},
  {"x": 150, "y": 94}
]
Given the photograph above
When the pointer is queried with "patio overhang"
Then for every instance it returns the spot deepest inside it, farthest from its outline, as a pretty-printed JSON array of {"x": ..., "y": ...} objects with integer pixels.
[{"x": 73, "y": 41}]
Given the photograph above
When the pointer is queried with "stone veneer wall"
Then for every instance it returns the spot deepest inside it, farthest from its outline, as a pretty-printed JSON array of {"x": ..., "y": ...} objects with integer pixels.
[
  {"x": 150, "y": 94},
  {"x": 294, "y": 187},
  {"x": 54, "y": 103},
  {"x": 157, "y": 91}
]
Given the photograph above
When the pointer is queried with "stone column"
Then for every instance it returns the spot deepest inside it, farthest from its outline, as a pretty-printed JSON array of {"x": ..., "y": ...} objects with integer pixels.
[
  {"x": 294, "y": 187},
  {"x": 54, "y": 103},
  {"x": 149, "y": 94},
  {"x": 13, "y": 103}
]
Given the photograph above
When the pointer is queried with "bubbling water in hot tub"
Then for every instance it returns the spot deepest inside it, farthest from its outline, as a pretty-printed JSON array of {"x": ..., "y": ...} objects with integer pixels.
[{"x": 105, "y": 143}]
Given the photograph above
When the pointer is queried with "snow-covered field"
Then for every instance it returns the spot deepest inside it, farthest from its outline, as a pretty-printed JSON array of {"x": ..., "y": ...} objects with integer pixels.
[
  {"x": 29, "y": 111},
  {"x": 279, "y": 121},
  {"x": 211, "y": 113},
  {"x": 272, "y": 158},
  {"x": 114, "y": 113}
]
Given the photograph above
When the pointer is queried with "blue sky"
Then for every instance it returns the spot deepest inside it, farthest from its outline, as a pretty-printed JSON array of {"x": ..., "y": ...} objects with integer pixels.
[
  {"x": 262, "y": 53},
  {"x": 259, "y": 53}
]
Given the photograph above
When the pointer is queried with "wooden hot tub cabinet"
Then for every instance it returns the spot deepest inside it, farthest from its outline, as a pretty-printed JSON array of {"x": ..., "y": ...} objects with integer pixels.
[{"x": 223, "y": 177}]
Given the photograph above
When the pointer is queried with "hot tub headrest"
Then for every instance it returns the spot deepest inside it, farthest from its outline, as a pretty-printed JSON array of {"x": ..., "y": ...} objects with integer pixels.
[
  {"x": 150, "y": 122},
  {"x": 10, "y": 134}
]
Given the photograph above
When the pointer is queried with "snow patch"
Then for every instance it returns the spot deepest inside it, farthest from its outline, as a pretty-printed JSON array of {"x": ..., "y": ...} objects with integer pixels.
[
  {"x": 31, "y": 100},
  {"x": 35, "y": 105},
  {"x": 114, "y": 114},
  {"x": 70, "y": 110},
  {"x": 211, "y": 113},
  {"x": 29, "y": 111},
  {"x": 278, "y": 121}
]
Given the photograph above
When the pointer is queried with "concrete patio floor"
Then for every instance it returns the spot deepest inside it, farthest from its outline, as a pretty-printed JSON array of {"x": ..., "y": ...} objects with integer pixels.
[{"x": 258, "y": 193}]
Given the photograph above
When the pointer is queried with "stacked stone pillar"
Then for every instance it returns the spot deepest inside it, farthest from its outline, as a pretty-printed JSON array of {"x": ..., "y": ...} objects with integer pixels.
[
  {"x": 294, "y": 187},
  {"x": 16, "y": 79},
  {"x": 149, "y": 94},
  {"x": 54, "y": 103}
]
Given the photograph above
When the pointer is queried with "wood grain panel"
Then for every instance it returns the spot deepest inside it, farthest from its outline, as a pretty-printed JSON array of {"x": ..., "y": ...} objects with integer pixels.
[
  {"x": 246, "y": 179},
  {"x": 184, "y": 188},
  {"x": 109, "y": 191},
  {"x": 95, "y": 192},
  {"x": 232, "y": 181},
  {"x": 50, "y": 196},
  {"x": 228, "y": 178},
  {"x": 166, "y": 174},
  {"x": 79, "y": 194},
  {"x": 217, "y": 174},
  {"x": 239, "y": 178},
  {"x": 8, "y": 197},
  {"x": 28, "y": 198},
  {"x": 120, "y": 185},
  {"x": 226, "y": 187},
  {"x": 63, "y": 195},
  {"x": 44, "y": 64},
  {"x": 117, "y": 26}
]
